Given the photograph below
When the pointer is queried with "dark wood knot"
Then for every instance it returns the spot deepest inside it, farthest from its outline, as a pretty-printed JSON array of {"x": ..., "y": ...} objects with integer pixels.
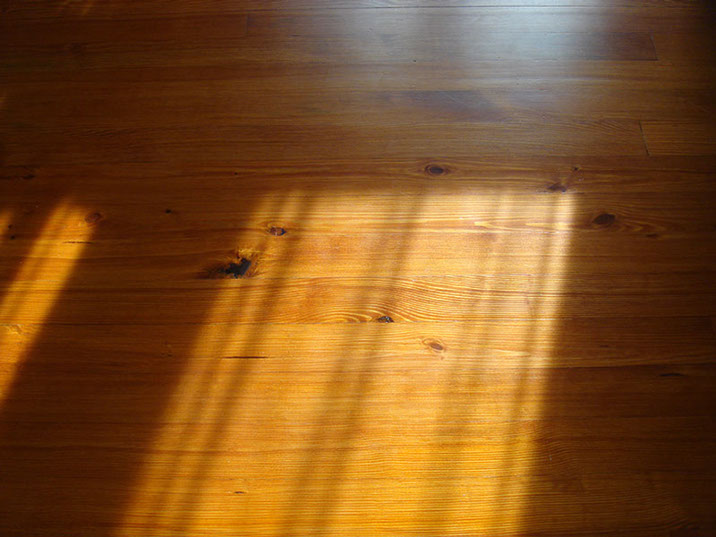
[
  {"x": 604, "y": 220},
  {"x": 239, "y": 269},
  {"x": 276, "y": 231},
  {"x": 93, "y": 218},
  {"x": 434, "y": 345},
  {"x": 435, "y": 169}
]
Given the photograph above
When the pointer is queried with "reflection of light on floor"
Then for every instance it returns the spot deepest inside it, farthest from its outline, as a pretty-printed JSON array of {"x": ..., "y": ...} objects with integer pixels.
[
  {"x": 46, "y": 268},
  {"x": 514, "y": 482},
  {"x": 5, "y": 219},
  {"x": 234, "y": 422},
  {"x": 209, "y": 397}
]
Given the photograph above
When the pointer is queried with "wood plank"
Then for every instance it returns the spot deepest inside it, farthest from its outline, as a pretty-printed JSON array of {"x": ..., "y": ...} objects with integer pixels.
[
  {"x": 591, "y": 46},
  {"x": 118, "y": 9},
  {"x": 490, "y": 18},
  {"x": 156, "y": 33},
  {"x": 289, "y": 142},
  {"x": 535, "y": 213},
  {"x": 695, "y": 46},
  {"x": 527, "y": 175},
  {"x": 670, "y": 344},
  {"x": 197, "y": 26},
  {"x": 665, "y": 137},
  {"x": 577, "y": 437},
  {"x": 389, "y": 75},
  {"x": 84, "y": 107},
  {"x": 349, "y": 300},
  {"x": 416, "y": 395},
  {"x": 118, "y": 264}
]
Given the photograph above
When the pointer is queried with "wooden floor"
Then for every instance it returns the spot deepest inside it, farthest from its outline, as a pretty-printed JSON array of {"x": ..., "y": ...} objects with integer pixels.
[{"x": 357, "y": 268}]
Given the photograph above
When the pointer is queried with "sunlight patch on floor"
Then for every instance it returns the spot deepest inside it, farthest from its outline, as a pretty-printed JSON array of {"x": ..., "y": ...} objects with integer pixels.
[
  {"x": 311, "y": 420},
  {"x": 522, "y": 445},
  {"x": 46, "y": 268}
]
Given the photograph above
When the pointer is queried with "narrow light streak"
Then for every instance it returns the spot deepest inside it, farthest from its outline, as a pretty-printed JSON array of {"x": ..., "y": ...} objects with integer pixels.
[{"x": 46, "y": 268}]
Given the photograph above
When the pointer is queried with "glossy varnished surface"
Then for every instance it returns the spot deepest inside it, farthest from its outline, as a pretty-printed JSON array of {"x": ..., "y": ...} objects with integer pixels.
[{"x": 474, "y": 248}]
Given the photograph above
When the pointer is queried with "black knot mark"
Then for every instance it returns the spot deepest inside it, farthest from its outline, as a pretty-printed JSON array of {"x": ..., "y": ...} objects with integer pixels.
[
  {"x": 93, "y": 218},
  {"x": 168, "y": 211},
  {"x": 385, "y": 319},
  {"x": 557, "y": 187},
  {"x": 435, "y": 169},
  {"x": 276, "y": 231},
  {"x": 240, "y": 264},
  {"x": 237, "y": 270},
  {"x": 604, "y": 220}
]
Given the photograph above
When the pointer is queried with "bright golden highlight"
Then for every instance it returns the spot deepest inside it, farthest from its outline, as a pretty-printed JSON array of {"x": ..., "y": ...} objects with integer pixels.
[
  {"x": 271, "y": 400},
  {"x": 38, "y": 283}
]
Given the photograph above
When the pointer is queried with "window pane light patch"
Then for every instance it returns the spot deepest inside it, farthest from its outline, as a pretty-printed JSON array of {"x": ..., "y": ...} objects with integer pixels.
[
  {"x": 38, "y": 283},
  {"x": 309, "y": 403}
]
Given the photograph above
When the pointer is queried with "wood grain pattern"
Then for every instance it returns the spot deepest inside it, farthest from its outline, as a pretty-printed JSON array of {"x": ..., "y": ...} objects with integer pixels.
[
  {"x": 114, "y": 8},
  {"x": 680, "y": 137},
  {"x": 330, "y": 268}
]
